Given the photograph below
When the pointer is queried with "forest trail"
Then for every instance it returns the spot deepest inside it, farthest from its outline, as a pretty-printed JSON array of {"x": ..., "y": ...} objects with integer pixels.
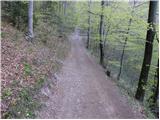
[{"x": 84, "y": 91}]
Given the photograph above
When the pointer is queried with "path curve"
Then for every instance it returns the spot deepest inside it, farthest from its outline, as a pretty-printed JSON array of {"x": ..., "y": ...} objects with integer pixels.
[{"x": 84, "y": 91}]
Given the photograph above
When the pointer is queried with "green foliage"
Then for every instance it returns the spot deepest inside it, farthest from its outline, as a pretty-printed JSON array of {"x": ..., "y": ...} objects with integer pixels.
[
  {"x": 51, "y": 16},
  {"x": 3, "y": 34},
  {"x": 116, "y": 24},
  {"x": 16, "y": 12},
  {"x": 50, "y": 27},
  {"x": 24, "y": 107},
  {"x": 40, "y": 83},
  {"x": 27, "y": 69},
  {"x": 27, "y": 102},
  {"x": 6, "y": 93}
]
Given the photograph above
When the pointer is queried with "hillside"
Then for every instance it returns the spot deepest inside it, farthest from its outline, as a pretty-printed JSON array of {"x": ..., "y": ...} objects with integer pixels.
[{"x": 26, "y": 67}]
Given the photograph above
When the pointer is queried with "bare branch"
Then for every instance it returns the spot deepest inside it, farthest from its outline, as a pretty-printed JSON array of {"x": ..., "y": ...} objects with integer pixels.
[
  {"x": 93, "y": 13},
  {"x": 136, "y": 6}
]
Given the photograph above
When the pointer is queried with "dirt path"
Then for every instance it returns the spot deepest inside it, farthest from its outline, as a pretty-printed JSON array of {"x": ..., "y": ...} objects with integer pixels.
[{"x": 84, "y": 91}]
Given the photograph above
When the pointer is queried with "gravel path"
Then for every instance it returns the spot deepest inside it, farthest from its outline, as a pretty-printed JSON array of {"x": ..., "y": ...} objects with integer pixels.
[{"x": 83, "y": 90}]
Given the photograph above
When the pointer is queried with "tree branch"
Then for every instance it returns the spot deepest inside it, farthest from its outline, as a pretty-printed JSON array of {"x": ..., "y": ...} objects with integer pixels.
[
  {"x": 140, "y": 4},
  {"x": 93, "y": 13}
]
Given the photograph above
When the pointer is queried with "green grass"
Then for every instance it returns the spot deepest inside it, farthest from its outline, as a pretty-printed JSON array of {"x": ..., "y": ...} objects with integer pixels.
[
  {"x": 26, "y": 104},
  {"x": 27, "y": 69},
  {"x": 6, "y": 93},
  {"x": 3, "y": 34}
]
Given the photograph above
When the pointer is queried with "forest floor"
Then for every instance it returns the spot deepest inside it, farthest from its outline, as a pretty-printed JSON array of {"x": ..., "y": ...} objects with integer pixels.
[
  {"x": 83, "y": 90},
  {"x": 26, "y": 67}
]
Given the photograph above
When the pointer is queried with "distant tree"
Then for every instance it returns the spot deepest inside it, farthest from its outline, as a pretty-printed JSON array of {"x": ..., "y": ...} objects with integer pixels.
[
  {"x": 101, "y": 33},
  {"x": 16, "y": 13},
  {"x": 65, "y": 7},
  {"x": 89, "y": 23},
  {"x": 155, "y": 92},
  {"x": 148, "y": 51},
  {"x": 30, "y": 19},
  {"x": 125, "y": 42}
]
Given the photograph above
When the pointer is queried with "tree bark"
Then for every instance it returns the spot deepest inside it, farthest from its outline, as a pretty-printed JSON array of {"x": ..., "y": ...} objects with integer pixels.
[
  {"x": 101, "y": 34},
  {"x": 148, "y": 51},
  {"x": 30, "y": 19},
  {"x": 89, "y": 23}
]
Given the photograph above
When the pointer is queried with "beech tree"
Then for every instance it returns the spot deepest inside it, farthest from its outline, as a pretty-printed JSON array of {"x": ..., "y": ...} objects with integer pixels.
[{"x": 148, "y": 51}]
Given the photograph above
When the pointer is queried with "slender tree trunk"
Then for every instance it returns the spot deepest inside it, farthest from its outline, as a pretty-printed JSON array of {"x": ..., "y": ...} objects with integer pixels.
[
  {"x": 101, "y": 34},
  {"x": 89, "y": 23},
  {"x": 65, "y": 7},
  {"x": 104, "y": 34},
  {"x": 64, "y": 13},
  {"x": 59, "y": 7},
  {"x": 157, "y": 95},
  {"x": 30, "y": 19},
  {"x": 125, "y": 43},
  {"x": 155, "y": 88},
  {"x": 148, "y": 51},
  {"x": 156, "y": 91}
]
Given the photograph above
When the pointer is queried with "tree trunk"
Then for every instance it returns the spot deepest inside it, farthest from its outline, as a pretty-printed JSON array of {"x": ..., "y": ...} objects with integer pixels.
[
  {"x": 101, "y": 34},
  {"x": 30, "y": 19},
  {"x": 155, "y": 98},
  {"x": 89, "y": 23},
  {"x": 121, "y": 60},
  {"x": 148, "y": 51},
  {"x": 156, "y": 92},
  {"x": 155, "y": 88},
  {"x": 65, "y": 7},
  {"x": 125, "y": 43}
]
